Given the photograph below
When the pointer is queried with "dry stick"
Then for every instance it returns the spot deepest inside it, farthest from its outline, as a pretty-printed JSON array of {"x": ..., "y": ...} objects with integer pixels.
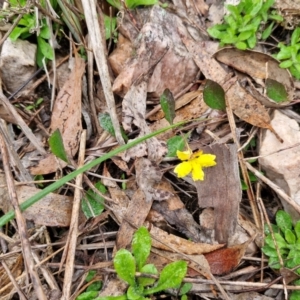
[
  {"x": 11, "y": 28},
  {"x": 73, "y": 233},
  {"x": 90, "y": 89},
  {"x": 27, "y": 131},
  {"x": 26, "y": 248},
  {"x": 274, "y": 187},
  {"x": 242, "y": 165},
  {"x": 97, "y": 41},
  {"x": 13, "y": 281}
]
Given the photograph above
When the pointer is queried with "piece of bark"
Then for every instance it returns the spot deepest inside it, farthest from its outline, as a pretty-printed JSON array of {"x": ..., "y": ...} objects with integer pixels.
[{"x": 221, "y": 190}]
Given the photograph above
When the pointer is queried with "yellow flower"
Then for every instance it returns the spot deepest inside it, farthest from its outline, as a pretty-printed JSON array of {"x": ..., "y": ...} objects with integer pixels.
[{"x": 194, "y": 162}]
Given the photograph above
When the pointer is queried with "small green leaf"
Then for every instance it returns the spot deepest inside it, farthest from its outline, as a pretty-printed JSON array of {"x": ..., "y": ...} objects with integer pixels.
[
  {"x": 267, "y": 32},
  {"x": 45, "y": 48},
  {"x": 134, "y": 3},
  {"x": 214, "y": 95},
  {"x": 95, "y": 286},
  {"x": 269, "y": 251},
  {"x": 283, "y": 220},
  {"x": 17, "y": 31},
  {"x": 124, "y": 264},
  {"x": 290, "y": 236},
  {"x": 274, "y": 263},
  {"x": 92, "y": 203},
  {"x": 122, "y": 297},
  {"x": 295, "y": 295},
  {"x": 167, "y": 103},
  {"x": 171, "y": 276},
  {"x": 175, "y": 143},
  {"x": 147, "y": 269},
  {"x": 286, "y": 64},
  {"x": 251, "y": 41},
  {"x": 57, "y": 145},
  {"x": 141, "y": 246},
  {"x": 45, "y": 32},
  {"x": 91, "y": 274},
  {"x": 135, "y": 292},
  {"x": 276, "y": 90},
  {"x": 297, "y": 229},
  {"x": 241, "y": 45},
  {"x": 243, "y": 36},
  {"x": 91, "y": 295},
  {"x": 295, "y": 36},
  {"x": 115, "y": 3},
  {"x": 107, "y": 125},
  {"x": 110, "y": 26},
  {"x": 186, "y": 287}
]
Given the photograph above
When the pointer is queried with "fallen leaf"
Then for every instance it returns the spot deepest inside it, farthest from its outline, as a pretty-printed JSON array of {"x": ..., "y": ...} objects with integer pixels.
[
  {"x": 223, "y": 261},
  {"x": 178, "y": 243},
  {"x": 52, "y": 210},
  {"x": 247, "y": 108},
  {"x": 66, "y": 117}
]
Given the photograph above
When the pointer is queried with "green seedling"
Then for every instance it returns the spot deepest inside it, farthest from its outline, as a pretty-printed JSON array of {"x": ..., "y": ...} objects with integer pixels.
[
  {"x": 29, "y": 25},
  {"x": 289, "y": 55},
  {"x": 93, "y": 289},
  {"x": 131, "y": 4},
  {"x": 246, "y": 22},
  {"x": 127, "y": 263},
  {"x": 286, "y": 242}
]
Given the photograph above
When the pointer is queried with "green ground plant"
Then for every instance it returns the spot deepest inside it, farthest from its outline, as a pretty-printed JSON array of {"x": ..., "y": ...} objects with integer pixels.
[
  {"x": 29, "y": 25},
  {"x": 127, "y": 263},
  {"x": 245, "y": 23},
  {"x": 284, "y": 240},
  {"x": 289, "y": 54}
]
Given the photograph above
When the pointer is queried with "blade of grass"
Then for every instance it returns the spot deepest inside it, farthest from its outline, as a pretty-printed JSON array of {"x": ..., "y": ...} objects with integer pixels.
[{"x": 52, "y": 187}]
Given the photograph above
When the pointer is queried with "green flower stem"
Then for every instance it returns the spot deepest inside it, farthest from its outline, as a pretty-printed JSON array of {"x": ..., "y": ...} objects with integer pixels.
[{"x": 54, "y": 186}]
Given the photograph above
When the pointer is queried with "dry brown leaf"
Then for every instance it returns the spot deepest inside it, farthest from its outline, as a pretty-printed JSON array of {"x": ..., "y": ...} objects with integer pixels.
[
  {"x": 159, "y": 53},
  {"x": 15, "y": 265},
  {"x": 181, "y": 102},
  {"x": 223, "y": 261},
  {"x": 52, "y": 210},
  {"x": 244, "y": 105},
  {"x": 178, "y": 243},
  {"x": 193, "y": 110},
  {"x": 66, "y": 117},
  {"x": 247, "y": 108},
  {"x": 259, "y": 66}
]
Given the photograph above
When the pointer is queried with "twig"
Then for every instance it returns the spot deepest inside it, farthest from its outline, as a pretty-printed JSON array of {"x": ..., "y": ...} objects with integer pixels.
[
  {"x": 274, "y": 187},
  {"x": 26, "y": 248},
  {"x": 73, "y": 233},
  {"x": 97, "y": 41},
  {"x": 13, "y": 281},
  {"x": 10, "y": 108}
]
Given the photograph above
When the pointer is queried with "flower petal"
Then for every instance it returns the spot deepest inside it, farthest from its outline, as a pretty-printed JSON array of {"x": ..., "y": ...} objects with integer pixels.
[
  {"x": 183, "y": 169},
  {"x": 184, "y": 155},
  {"x": 197, "y": 173},
  {"x": 206, "y": 160}
]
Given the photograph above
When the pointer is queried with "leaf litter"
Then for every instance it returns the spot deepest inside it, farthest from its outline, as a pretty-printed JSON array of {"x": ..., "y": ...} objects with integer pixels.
[{"x": 161, "y": 50}]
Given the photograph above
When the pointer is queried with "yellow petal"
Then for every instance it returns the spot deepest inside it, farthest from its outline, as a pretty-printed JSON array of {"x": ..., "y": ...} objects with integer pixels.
[
  {"x": 206, "y": 160},
  {"x": 197, "y": 173},
  {"x": 183, "y": 169},
  {"x": 184, "y": 155}
]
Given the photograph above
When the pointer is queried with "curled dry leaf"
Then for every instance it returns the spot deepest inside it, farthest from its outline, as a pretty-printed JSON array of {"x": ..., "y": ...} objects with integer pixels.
[
  {"x": 259, "y": 66},
  {"x": 178, "y": 243},
  {"x": 244, "y": 105},
  {"x": 223, "y": 261},
  {"x": 66, "y": 117}
]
